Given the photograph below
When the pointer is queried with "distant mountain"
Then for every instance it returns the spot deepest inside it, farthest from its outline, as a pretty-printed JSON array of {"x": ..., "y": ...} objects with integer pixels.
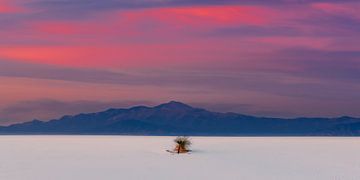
[{"x": 176, "y": 118}]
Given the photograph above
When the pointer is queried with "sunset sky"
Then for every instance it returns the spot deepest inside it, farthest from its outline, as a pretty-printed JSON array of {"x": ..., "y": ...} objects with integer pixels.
[{"x": 279, "y": 58}]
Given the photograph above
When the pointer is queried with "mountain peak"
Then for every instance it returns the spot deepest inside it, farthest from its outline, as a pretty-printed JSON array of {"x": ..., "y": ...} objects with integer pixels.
[
  {"x": 176, "y": 118},
  {"x": 174, "y": 105}
]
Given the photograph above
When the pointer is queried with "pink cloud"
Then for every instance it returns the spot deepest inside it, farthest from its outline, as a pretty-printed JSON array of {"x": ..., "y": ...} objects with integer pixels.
[
  {"x": 347, "y": 9},
  {"x": 105, "y": 55},
  {"x": 155, "y": 38},
  {"x": 63, "y": 28},
  {"x": 159, "y": 21},
  {"x": 195, "y": 53},
  {"x": 204, "y": 16},
  {"x": 7, "y": 6},
  {"x": 321, "y": 43},
  {"x": 64, "y": 55}
]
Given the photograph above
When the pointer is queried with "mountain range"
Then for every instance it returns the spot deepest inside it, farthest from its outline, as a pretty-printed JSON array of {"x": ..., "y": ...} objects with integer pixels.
[{"x": 176, "y": 118}]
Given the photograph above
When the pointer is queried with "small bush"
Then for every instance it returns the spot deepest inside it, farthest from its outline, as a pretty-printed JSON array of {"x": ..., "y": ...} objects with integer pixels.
[{"x": 182, "y": 144}]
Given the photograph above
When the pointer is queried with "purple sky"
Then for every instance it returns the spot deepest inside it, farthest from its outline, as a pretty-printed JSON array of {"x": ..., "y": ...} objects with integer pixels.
[{"x": 282, "y": 58}]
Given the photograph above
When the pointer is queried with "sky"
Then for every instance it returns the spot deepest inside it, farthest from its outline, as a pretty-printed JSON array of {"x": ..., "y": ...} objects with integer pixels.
[{"x": 278, "y": 58}]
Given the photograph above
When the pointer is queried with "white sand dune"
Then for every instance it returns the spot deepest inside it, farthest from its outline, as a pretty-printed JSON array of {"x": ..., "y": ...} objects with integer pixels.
[{"x": 224, "y": 158}]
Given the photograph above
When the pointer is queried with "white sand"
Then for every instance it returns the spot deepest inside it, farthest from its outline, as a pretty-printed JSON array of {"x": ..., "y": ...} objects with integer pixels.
[{"x": 127, "y": 158}]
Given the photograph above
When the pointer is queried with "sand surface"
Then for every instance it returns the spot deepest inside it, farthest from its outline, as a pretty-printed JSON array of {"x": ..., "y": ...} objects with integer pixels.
[{"x": 213, "y": 158}]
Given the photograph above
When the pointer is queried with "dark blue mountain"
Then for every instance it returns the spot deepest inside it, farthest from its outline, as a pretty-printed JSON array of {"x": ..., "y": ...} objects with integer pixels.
[{"x": 175, "y": 118}]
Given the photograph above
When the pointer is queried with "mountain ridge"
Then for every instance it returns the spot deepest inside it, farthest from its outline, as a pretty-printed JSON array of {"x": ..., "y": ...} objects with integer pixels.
[{"x": 177, "y": 118}]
